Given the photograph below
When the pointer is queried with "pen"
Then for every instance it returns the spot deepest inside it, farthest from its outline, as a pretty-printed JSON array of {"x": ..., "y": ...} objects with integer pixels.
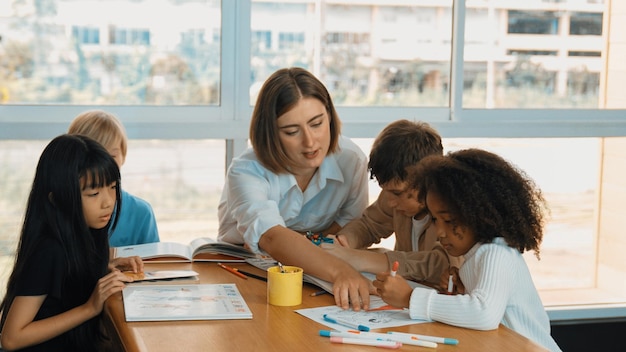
[
  {"x": 232, "y": 271},
  {"x": 378, "y": 336},
  {"x": 280, "y": 265},
  {"x": 318, "y": 293},
  {"x": 346, "y": 323},
  {"x": 254, "y": 276},
  {"x": 444, "y": 340},
  {"x": 394, "y": 269},
  {"x": 450, "y": 284},
  {"x": 365, "y": 342}
]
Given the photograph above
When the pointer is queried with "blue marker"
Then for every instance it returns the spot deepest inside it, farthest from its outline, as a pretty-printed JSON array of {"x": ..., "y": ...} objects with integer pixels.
[{"x": 346, "y": 323}]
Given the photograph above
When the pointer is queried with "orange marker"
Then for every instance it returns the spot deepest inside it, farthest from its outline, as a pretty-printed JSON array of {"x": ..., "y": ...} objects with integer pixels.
[
  {"x": 234, "y": 271},
  {"x": 394, "y": 269}
]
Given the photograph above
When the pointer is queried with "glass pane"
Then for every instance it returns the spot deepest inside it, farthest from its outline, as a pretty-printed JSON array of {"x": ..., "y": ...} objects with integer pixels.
[
  {"x": 568, "y": 256},
  {"x": 548, "y": 55},
  {"x": 366, "y": 53},
  {"x": 181, "y": 179},
  {"x": 110, "y": 52}
]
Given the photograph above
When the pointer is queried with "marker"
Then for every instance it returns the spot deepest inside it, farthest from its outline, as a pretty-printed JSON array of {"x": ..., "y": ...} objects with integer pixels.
[
  {"x": 227, "y": 268},
  {"x": 254, "y": 276},
  {"x": 414, "y": 341},
  {"x": 345, "y": 323},
  {"x": 394, "y": 269},
  {"x": 318, "y": 293},
  {"x": 367, "y": 342},
  {"x": 385, "y": 307},
  {"x": 450, "y": 284},
  {"x": 444, "y": 340},
  {"x": 378, "y": 336}
]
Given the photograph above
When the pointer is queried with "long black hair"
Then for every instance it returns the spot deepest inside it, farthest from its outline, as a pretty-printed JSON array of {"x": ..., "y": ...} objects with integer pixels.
[{"x": 68, "y": 164}]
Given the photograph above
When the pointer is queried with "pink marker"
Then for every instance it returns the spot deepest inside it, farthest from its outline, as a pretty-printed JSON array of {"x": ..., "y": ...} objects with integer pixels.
[{"x": 366, "y": 342}]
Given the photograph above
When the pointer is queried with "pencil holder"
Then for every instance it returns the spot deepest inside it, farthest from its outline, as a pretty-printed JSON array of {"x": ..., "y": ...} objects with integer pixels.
[{"x": 284, "y": 288}]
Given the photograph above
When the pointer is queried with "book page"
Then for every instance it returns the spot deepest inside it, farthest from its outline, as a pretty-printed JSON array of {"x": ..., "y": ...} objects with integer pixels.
[
  {"x": 265, "y": 263},
  {"x": 160, "y": 274},
  {"x": 184, "y": 302},
  {"x": 209, "y": 245},
  {"x": 375, "y": 318},
  {"x": 146, "y": 251}
]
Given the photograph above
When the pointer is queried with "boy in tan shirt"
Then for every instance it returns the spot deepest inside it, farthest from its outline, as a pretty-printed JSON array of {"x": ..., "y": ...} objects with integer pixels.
[{"x": 421, "y": 258}]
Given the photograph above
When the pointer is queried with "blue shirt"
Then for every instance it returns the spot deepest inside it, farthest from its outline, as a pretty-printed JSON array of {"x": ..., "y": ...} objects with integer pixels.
[
  {"x": 137, "y": 223},
  {"x": 255, "y": 199}
]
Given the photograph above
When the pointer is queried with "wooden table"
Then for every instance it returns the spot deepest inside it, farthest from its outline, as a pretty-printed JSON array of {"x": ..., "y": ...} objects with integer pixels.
[{"x": 275, "y": 328}]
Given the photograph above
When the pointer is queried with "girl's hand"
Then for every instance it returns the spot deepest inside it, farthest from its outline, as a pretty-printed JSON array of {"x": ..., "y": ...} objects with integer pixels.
[
  {"x": 134, "y": 264},
  {"x": 109, "y": 284},
  {"x": 394, "y": 290},
  {"x": 458, "y": 287}
]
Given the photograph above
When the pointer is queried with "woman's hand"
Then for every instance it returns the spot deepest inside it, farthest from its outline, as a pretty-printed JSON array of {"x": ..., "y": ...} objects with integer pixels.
[
  {"x": 351, "y": 288},
  {"x": 394, "y": 290},
  {"x": 134, "y": 264}
]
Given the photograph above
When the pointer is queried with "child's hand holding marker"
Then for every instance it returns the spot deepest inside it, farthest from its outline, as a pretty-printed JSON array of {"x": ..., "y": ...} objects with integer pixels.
[
  {"x": 394, "y": 269},
  {"x": 392, "y": 288},
  {"x": 450, "y": 283}
]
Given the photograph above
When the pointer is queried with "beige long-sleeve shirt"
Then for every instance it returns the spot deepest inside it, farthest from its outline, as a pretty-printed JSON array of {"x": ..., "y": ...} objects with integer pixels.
[{"x": 378, "y": 221}]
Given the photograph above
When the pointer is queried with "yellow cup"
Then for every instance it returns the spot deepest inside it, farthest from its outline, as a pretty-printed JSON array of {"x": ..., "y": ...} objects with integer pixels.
[{"x": 284, "y": 289}]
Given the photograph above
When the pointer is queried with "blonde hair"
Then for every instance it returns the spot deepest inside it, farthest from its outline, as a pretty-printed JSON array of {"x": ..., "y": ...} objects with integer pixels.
[{"x": 105, "y": 128}]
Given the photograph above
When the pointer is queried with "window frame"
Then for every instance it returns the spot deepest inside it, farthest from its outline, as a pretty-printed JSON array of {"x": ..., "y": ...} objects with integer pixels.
[{"x": 230, "y": 119}]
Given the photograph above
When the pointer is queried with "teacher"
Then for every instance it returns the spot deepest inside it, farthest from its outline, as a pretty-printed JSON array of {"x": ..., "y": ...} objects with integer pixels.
[{"x": 300, "y": 175}]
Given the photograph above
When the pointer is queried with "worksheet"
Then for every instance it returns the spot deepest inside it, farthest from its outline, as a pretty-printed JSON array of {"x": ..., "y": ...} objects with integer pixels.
[{"x": 380, "y": 315}]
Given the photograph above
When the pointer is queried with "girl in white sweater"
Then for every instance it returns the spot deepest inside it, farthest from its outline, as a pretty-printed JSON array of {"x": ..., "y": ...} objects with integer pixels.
[{"x": 490, "y": 212}]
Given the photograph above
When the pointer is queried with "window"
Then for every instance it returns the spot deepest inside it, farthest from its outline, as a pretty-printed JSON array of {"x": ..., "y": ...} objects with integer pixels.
[
  {"x": 290, "y": 40},
  {"x": 585, "y": 23},
  {"x": 533, "y": 22},
  {"x": 517, "y": 68},
  {"x": 126, "y": 36},
  {"x": 537, "y": 85},
  {"x": 584, "y": 53},
  {"x": 86, "y": 35},
  {"x": 107, "y": 56},
  {"x": 531, "y": 52},
  {"x": 261, "y": 40}
]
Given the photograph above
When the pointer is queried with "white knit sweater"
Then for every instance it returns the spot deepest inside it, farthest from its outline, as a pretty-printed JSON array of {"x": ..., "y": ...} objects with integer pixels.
[{"x": 499, "y": 289}]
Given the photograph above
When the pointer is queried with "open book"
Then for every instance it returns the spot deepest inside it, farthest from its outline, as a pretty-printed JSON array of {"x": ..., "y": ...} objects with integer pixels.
[
  {"x": 184, "y": 302},
  {"x": 161, "y": 275},
  {"x": 265, "y": 263},
  {"x": 201, "y": 249}
]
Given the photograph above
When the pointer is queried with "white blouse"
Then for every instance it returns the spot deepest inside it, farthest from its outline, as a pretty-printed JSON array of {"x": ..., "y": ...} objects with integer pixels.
[{"x": 255, "y": 199}]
